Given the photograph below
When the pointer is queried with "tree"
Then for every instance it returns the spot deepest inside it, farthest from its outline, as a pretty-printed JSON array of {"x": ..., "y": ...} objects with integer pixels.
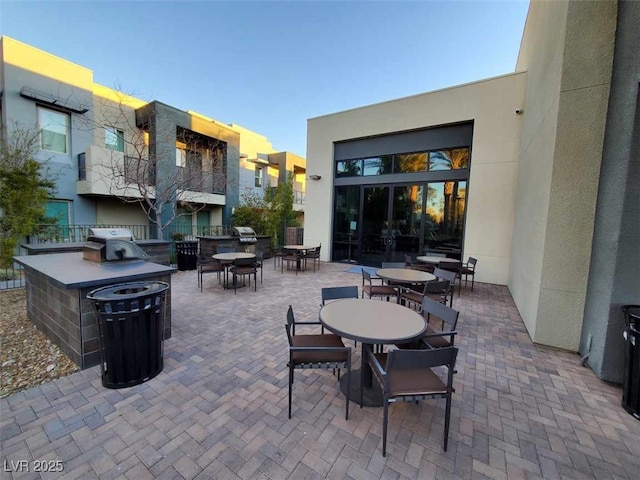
[
  {"x": 152, "y": 163},
  {"x": 251, "y": 212},
  {"x": 26, "y": 185},
  {"x": 270, "y": 215},
  {"x": 280, "y": 213}
]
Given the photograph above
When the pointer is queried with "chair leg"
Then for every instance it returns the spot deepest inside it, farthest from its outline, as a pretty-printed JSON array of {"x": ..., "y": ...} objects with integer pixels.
[
  {"x": 385, "y": 423},
  {"x": 447, "y": 416},
  {"x": 346, "y": 417},
  {"x": 362, "y": 380},
  {"x": 290, "y": 387}
]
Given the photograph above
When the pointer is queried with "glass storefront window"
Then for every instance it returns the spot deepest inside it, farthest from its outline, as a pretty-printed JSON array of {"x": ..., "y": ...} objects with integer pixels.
[
  {"x": 452, "y": 159},
  {"x": 444, "y": 219},
  {"x": 349, "y": 168},
  {"x": 411, "y": 162},
  {"x": 378, "y": 165}
]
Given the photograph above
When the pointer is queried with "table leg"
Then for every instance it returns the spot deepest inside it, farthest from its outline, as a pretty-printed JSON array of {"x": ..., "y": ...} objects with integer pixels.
[{"x": 372, "y": 393}]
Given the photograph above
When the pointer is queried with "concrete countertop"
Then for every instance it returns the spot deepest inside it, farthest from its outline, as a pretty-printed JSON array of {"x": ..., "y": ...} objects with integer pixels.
[
  {"x": 75, "y": 246},
  {"x": 71, "y": 271}
]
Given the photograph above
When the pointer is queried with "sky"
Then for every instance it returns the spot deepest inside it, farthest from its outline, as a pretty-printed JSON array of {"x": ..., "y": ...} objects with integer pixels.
[{"x": 271, "y": 65}]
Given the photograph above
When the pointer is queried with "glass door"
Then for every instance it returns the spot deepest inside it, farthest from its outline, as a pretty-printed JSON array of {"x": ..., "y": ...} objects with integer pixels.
[
  {"x": 406, "y": 222},
  {"x": 346, "y": 224},
  {"x": 444, "y": 219},
  {"x": 376, "y": 234}
]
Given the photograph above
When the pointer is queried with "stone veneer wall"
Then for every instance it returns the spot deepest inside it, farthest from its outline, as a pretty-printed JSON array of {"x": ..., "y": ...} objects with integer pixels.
[
  {"x": 69, "y": 319},
  {"x": 158, "y": 250}
]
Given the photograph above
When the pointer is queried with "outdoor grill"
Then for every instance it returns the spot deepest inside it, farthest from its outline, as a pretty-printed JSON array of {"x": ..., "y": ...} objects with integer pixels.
[
  {"x": 245, "y": 234},
  {"x": 111, "y": 245}
]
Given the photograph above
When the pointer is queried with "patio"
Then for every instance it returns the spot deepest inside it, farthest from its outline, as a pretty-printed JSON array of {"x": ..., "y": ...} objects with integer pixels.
[{"x": 219, "y": 408}]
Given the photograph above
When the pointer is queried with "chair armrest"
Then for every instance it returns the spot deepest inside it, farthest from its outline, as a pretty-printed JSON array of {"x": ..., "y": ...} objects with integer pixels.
[
  {"x": 307, "y": 323},
  {"x": 439, "y": 334},
  {"x": 319, "y": 349},
  {"x": 375, "y": 364}
]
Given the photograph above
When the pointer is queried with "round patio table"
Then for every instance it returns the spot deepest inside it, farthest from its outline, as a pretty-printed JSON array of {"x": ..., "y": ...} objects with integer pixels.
[
  {"x": 370, "y": 322},
  {"x": 228, "y": 258},
  {"x": 436, "y": 260},
  {"x": 302, "y": 248},
  {"x": 405, "y": 275}
]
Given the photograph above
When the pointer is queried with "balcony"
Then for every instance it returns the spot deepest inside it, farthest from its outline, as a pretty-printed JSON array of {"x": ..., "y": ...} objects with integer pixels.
[{"x": 105, "y": 172}]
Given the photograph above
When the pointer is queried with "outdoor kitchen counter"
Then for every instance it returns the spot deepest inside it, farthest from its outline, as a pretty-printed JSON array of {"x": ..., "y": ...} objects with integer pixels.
[
  {"x": 57, "y": 286},
  {"x": 70, "y": 271},
  {"x": 158, "y": 250}
]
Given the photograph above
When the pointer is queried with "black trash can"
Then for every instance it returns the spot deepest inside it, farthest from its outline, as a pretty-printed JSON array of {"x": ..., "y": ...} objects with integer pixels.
[
  {"x": 131, "y": 331},
  {"x": 631, "y": 385},
  {"x": 187, "y": 255}
]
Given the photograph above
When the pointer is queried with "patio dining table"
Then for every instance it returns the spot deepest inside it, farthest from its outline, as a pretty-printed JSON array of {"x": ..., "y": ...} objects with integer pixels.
[
  {"x": 300, "y": 248},
  {"x": 370, "y": 322},
  {"x": 227, "y": 259},
  {"x": 435, "y": 260}
]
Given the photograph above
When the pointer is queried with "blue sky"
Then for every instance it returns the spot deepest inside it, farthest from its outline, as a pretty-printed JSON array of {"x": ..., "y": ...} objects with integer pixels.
[{"x": 271, "y": 65}]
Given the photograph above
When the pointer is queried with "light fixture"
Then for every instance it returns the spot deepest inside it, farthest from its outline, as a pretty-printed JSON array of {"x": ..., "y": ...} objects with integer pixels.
[{"x": 315, "y": 177}]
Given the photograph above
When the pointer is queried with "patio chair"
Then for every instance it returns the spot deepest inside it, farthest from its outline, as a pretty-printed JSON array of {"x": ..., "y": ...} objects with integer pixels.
[
  {"x": 436, "y": 290},
  {"x": 449, "y": 276},
  {"x": 336, "y": 293},
  {"x": 314, "y": 256},
  {"x": 244, "y": 267},
  {"x": 441, "y": 326},
  {"x": 376, "y": 290},
  {"x": 407, "y": 375},
  {"x": 393, "y": 265},
  {"x": 291, "y": 256},
  {"x": 316, "y": 351},
  {"x": 259, "y": 263},
  {"x": 206, "y": 264},
  {"x": 222, "y": 249},
  {"x": 277, "y": 254},
  {"x": 467, "y": 269},
  {"x": 454, "y": 267}
]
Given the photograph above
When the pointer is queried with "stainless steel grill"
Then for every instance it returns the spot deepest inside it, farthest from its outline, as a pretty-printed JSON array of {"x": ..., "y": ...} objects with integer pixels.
[
  {"x": 111, "y": 245},
  {"x": 245, "y": 234}
]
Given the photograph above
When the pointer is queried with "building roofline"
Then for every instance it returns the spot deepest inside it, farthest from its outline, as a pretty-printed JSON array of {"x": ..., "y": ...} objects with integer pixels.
[{"x": 497, "y": 77}]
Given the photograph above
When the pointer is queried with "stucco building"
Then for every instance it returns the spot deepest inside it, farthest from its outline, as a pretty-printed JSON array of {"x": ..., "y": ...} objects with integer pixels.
[
  {"x": 105, "y": 146},
  {"x": 533, "y": 173}
]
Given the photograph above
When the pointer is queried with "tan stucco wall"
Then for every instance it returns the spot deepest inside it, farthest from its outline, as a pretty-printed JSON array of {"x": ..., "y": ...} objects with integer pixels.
[
  {"x": 494, "y": 160},
  {"x": 567, "y": 50},
  {"x": 115, "y": 212}
]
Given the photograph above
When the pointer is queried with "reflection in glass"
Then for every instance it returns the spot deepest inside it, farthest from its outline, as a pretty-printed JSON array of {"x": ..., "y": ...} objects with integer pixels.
[
  {"x": 375, "y": 208},
  {"x": 411, "y": 162},
  {"x": 452, "y": 159},
  {"x": 444, "y": 219},
  {"x": 347, "y": 212},
  {"x": 349, "y": 168},
  {"x": 378, "y": 165},
  {"x": 406, "y": 218}
]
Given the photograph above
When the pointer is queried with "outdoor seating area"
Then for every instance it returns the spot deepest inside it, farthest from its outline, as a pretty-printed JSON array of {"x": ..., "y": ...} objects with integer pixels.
[{"x": 227, "y": 404}]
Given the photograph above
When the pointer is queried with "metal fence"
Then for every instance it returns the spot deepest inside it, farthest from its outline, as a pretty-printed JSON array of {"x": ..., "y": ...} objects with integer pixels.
[{"x": 13, "y": 277}]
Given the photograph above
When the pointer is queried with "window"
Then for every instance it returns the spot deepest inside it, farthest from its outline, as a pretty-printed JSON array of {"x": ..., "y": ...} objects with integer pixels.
[
  {"x": 258, "y": 176},
  {"x": 114, "y": 139},
  {"x": 181, "y": 157},
  {"x": 412, "y": 162},
  {"x": 378, "y": 165},
  {"x": 54, "y": 130},
  {"x": 349, "y": 168},
  {"x": 452, "y": 159}
]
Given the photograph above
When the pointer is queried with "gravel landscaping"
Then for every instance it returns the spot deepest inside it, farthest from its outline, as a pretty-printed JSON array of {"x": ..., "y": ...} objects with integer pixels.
[{"x": 27, "y": 357}]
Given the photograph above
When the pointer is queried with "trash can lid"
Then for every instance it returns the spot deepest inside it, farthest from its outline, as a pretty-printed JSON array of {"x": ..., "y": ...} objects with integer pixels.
[{"x": 126, "y": 291}]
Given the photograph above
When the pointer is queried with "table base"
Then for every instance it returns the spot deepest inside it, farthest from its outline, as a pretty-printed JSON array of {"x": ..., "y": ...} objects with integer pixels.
[{"x": 372, "y": 395}]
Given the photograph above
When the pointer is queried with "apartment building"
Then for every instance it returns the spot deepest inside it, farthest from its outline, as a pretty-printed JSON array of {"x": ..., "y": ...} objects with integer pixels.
[
  {"x": 534, "y": 173},
  {"x": 116, "y": 156}
]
